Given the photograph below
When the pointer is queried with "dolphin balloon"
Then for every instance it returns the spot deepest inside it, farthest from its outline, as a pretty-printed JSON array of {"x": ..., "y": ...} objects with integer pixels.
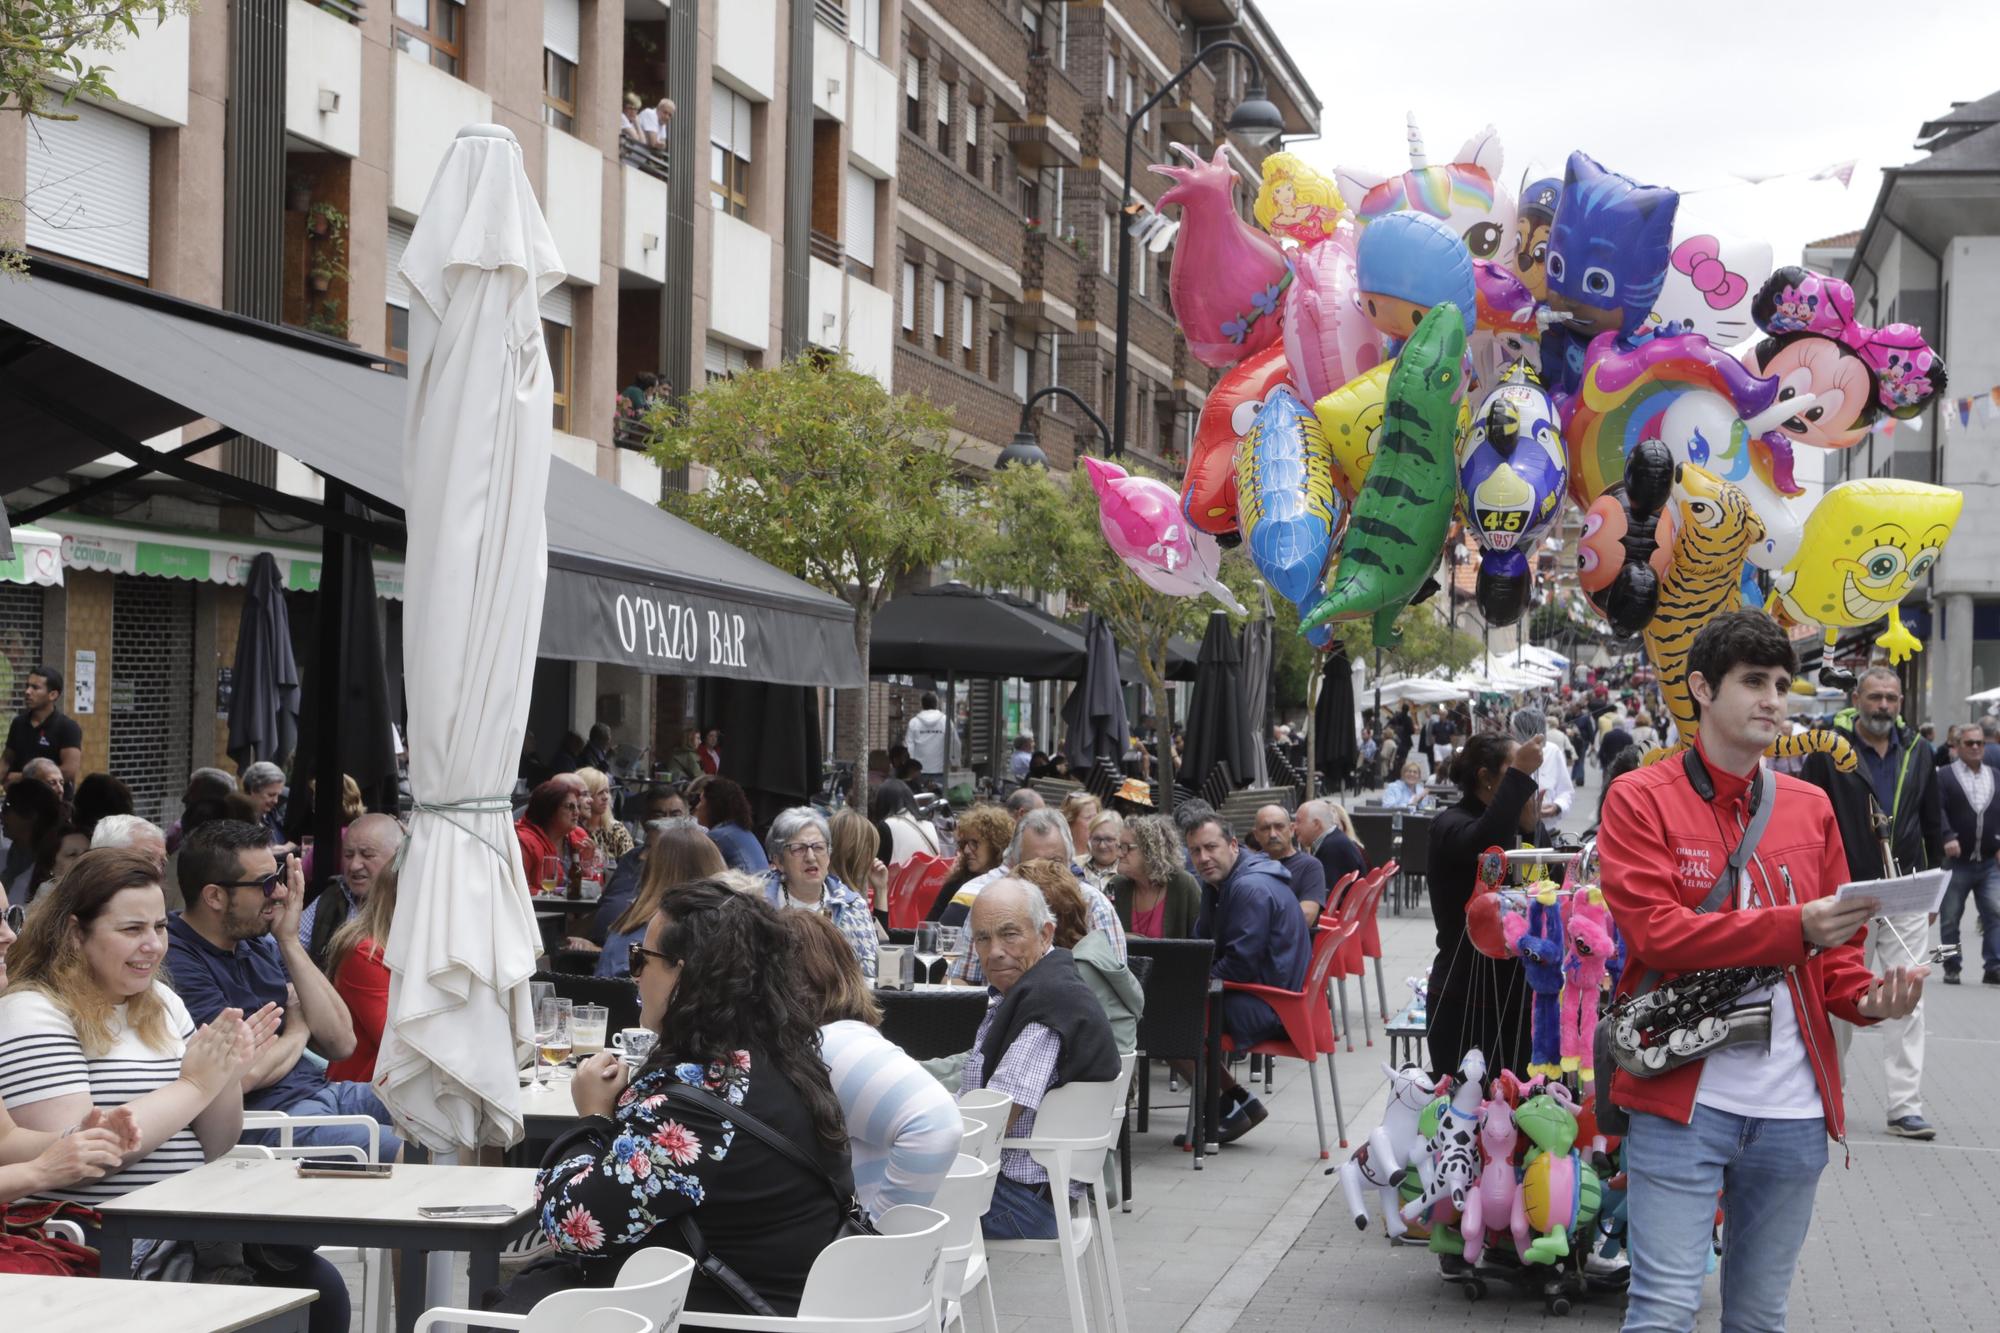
[{"x": 1141, "y": 518}]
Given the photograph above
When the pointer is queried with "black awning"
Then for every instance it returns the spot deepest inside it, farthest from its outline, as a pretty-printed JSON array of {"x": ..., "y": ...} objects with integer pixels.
[
  {"x": 148, "y": 363},
  {"x": 959, "y": 629}
]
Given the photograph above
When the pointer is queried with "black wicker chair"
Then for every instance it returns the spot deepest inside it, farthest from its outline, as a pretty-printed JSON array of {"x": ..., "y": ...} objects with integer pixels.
[
  {"x": 1414, "y": 857},
  {"x": 619, "y": 996},
  {"x": 1175, "y": 1023},
  {"x": 929, "y": 1024}
]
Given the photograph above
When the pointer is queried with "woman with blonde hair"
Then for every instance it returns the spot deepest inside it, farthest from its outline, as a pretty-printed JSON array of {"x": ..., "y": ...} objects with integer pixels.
[
  {"x": 683, "y": 854},
  {"x": 1079, "y": 809},
  {"x": 1099, "y": 852},
  {"x": 857, "y": 856},
  {"x": 613, "y": 839},
  {"x": 984, "y": 834},
  {"x": 357, "y": 965}
]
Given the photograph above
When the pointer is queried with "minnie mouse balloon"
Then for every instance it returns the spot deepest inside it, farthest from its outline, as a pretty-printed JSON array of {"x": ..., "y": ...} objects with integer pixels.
[{"x": 1141, "y": 518}]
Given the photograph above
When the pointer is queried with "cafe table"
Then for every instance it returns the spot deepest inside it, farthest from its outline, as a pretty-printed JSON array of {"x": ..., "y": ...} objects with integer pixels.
[
  {"x": 249, "y": 1200},
  {"x": 93, "y": 1305}
]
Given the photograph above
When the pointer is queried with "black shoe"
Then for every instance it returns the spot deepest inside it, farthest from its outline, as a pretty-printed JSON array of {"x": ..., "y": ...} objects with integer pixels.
[
  {"x": 1912, "y": 1127},
  {"x": 1951, "y": 979},
  {"x": 1241, "y": 1121},
  {"x": 1992, "y": 977}
]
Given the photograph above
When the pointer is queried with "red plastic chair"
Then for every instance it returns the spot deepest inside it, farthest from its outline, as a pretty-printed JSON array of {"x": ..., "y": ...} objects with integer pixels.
[
  {"x": 1357, "y": 918},
  {"x": 1308, "y": 1024},
  {"x": 912, "y": 887}
]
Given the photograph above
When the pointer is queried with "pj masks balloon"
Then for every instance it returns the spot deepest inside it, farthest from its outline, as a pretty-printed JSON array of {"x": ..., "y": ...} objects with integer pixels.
[
  {"x": 1608, "y": 251},
  {"x": 1208, "y": 492},
  {"x": 1512, "y": 472},
  {"x": 1141, "y": 519},
  {"x": 1228, "y": 278}
]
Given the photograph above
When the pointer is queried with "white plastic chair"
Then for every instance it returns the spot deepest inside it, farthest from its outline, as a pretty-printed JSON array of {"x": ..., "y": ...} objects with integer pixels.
[
  {"x": 1075, "y": 1126},
  {"x": 989, "y": 1108},
  {"x": 376, "y": 1301},
  {"x": 980, "y": 1140},
  {"x": 964, "y": 1197},
  {"x": 862, "y": 1284},
  {"x": 567, "y": 1319},
  {"x": 652, "y": 1285}
]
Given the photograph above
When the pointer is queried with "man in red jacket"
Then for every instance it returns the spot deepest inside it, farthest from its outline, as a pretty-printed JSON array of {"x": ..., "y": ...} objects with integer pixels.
[{"x": 1750, "y": 1120}]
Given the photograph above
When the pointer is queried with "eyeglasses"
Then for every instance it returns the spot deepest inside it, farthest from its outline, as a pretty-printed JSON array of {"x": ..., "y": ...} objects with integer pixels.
[
  {"x": 272, "y": 884},
  {"x": 1126, "y": 848},
  {"x": 1104, "y": 842},
  {"x": 806, "y": 848},
  {"x": 16, "y": 917},
  {"x": 636, "y": 956}
]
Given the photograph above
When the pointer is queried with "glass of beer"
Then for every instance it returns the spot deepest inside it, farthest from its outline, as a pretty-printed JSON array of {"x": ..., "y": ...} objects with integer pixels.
[{"x": 586, "y": 1028}]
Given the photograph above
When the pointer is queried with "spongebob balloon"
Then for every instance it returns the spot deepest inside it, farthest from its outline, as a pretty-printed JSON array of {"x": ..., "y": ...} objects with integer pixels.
[{"x": 1866, "y": 545}]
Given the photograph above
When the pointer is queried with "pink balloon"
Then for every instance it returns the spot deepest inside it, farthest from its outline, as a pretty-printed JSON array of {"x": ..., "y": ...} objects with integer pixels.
[
  {"x": 1328, "y": 339},
  {"x": 1141, "y": 518},
  {"x": 1229, "y": 279}
]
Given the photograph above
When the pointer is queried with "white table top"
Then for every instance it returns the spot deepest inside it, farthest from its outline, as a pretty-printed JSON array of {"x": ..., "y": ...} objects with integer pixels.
[
  {"x": 238, "y": 1187},
  {"x": 92, "y": 1305},
  {"x": 552, "y": 1100}
]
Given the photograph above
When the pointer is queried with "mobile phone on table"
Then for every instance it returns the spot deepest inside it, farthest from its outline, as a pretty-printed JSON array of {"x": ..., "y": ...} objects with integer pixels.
[
  {"x": 466, "y": 1210},
  {"x": 343, "y": 1166}
]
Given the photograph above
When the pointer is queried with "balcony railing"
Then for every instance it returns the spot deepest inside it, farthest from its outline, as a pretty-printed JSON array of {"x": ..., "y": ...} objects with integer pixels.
[
  {"x": 825, "y": 248},
  {"x": 350, "y": 10},
  {"x": 832, "y": 13},
  {"x": 653, "y": 161}
]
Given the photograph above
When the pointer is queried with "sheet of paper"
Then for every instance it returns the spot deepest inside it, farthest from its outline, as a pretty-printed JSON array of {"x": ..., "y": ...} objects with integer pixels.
[{"x": 1904, "y": 895}]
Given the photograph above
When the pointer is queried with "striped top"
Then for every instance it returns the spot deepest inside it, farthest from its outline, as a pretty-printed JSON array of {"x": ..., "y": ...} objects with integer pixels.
[
  {"x": 41, "y": 1058},
  {"x": 903, "y": 1128}
]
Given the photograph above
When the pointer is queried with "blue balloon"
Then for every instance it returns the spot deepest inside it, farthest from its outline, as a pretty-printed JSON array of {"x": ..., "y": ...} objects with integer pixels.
[
  {"x": 1416, "y": 259},
  {"x": 1287, "y": 507}
]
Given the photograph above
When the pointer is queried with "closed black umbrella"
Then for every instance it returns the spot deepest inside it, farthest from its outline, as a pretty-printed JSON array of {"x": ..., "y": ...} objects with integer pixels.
[
  {"x": 1215, "y": 730},
  {"x": 1094, "y": 715},
  {"x": 1257, "y": 696},
  {"x": 770, "y": 741},
  {"x": 264, "y": 694},
  {"x": 1333, "y": 722}
]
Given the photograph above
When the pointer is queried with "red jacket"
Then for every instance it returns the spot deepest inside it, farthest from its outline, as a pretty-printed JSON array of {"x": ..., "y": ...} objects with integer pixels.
[{"x": 1662, "y": 846}]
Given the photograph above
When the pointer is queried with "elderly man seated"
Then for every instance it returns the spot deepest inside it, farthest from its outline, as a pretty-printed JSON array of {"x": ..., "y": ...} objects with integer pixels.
[
  {"x": 1043, "y": 1028},
  {"x": 48, "y": 773},
  {"x": 134, "y": 832},
  {"x": 369, "y": 845},
  {"x": 1321, "y": 829},
  {"x": 1260, "y": 938},
  {"x": 1274, "y": 835}
]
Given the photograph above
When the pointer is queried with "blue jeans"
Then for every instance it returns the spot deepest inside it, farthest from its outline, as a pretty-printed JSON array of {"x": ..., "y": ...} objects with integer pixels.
[
  {"x": 1767, "y": 1171},
  {"x": 1979, "y": 881},
  {"x": 338, "y": 1099},
  {"x": 1019, "y": 1212}
]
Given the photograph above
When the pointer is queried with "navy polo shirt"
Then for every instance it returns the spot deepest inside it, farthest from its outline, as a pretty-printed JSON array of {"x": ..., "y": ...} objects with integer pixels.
[
  {"x": 1308, "y": 877},
  {"x": 248, "y": 977}
]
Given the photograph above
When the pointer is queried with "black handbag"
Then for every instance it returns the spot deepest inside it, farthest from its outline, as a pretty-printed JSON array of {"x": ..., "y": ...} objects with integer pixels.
[{"x": 854, "y": 1219}]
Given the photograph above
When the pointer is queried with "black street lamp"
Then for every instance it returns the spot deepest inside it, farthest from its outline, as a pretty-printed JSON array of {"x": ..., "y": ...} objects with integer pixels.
[
  {"x": 1024, "y": 449},
  {"x": 1255, "y": 119}
]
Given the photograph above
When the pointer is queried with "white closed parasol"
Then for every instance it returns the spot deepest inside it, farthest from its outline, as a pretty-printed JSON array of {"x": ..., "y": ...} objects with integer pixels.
[{"x": 476, "y": 471}]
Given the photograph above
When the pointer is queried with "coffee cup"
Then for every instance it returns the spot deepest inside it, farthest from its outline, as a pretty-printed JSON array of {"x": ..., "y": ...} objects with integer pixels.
[{"x": 635, "y": 1044}]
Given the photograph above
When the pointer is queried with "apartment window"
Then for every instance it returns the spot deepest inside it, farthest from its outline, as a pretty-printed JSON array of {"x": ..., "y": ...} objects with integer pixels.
[
  {"x": 561, "y": 40},
  {"x": 1024, "y": 363},
  {"x": 1062, "y": 35},
  {"x": 90, "y": 189},
  {"x": 729, "y": 150},
  {"x": 857, "y": 222},
  {"x": 864, "y": 25},
  {"x": 996, "y": 346},
  {"x": 1128, "y": 92},
  {"x": 1031, "y": 19},
  {"x": 721, "y": 360},
  {"x": 945, "y": 92},
  {"x": 558, "y": 314},
  {"x": 909, "y": 302},
  {"x": 972, "y": 140},
  {"x": 397, "y": 320},
  {"x": 432, "y": 30},
  {"x": 913, "y": 102},
  {"x": 1139, "y": 273},
  {"x": 965, "y": 346},
  {"x": 1106, "y": 236},
  {"x": 937, "y": 316},
  {"x": 1110, "y": 76}
]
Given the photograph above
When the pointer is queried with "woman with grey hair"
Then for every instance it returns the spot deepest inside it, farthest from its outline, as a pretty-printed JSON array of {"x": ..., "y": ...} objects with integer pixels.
[
  {"x": 800, "y": 846},
  {"x": 1153, "y": 892},
  {"x": 264, "y": 783}
]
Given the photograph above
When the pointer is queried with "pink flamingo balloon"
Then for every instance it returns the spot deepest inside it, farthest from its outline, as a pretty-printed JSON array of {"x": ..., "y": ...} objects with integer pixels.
[
  {"x": 1328, "y": 339},
  {"x": 1141, "y": 518},
  {"x": 1229, "y": 278}
]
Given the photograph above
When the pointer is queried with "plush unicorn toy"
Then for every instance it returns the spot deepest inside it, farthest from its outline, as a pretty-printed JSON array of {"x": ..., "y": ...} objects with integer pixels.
[{"x": 1391, "y": 1149}]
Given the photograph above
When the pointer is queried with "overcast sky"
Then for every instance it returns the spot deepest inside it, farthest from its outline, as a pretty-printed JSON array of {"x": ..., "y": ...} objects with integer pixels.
[{"x": 1683, "y": 94}]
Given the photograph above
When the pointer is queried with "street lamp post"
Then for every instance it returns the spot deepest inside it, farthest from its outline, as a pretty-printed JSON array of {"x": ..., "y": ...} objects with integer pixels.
[
  {"x": 1254, "y": 118},
  {"x": 1024, "y": 449}
]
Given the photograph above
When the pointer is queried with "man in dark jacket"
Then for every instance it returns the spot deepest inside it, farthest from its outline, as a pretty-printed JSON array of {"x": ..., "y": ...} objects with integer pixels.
[
  {"x": 1893, "y": 775},
  {"x": 1260, "y": 938},
  {"x": 1970, "y": 799}
]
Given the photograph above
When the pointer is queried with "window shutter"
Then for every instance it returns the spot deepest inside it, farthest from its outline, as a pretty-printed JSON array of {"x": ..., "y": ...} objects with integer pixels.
[
  {"x": 559, "y": 306},
  {"x": 857, "y": 223},
  {"x": 562, "y": 28},
  {"x": 89, "y": 189},
  {"x": 910, "y": 297},
  {"x": 965, "y": 322},
  {"x": 720, "y": 358},
  {"x": 729, "y": 120},
  {"x": 399, "y": 241},
  {"x": 943, "y": 102},
  {"x": 910, "y": 77},
  {"x": 937, "y": 307}
]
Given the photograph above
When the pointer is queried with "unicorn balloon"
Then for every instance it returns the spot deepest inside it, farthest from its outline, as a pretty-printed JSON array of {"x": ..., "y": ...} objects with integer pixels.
[
  {"x": 1464, "y": 194},
  {"x": 1142, "y": 520},
  {"x": 1229, "y": 278}
]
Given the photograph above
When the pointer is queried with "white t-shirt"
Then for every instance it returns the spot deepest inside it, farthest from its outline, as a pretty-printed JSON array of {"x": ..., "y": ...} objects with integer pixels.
[
  {"x": 1748, "y": 1080},
  {"x": 649, "y": 123},
  {"x": 925, "y": 737},
  {"x": 41, "y": 1058}
]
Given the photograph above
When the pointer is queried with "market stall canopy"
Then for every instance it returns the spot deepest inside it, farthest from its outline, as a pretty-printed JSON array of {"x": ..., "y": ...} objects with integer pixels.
[
  {"x": 1416, "y": 691},
  {"x": 85, "y": 360},
  {"x": 959, "y": 629}
]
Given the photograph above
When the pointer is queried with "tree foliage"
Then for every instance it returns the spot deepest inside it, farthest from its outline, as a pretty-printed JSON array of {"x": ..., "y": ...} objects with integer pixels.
[
  {"x": 817, "y": 469},
  {"x": 1427, "y": 643}
]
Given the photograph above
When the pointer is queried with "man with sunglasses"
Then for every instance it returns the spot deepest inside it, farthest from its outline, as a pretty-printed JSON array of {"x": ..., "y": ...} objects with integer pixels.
[
  {"x": 1971, "y": 801},
  {"x": 236, "y": 943}
]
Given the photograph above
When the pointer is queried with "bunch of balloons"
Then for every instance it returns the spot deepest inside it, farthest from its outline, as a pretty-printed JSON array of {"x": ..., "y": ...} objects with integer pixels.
[{"x": 1401, "y": 353}]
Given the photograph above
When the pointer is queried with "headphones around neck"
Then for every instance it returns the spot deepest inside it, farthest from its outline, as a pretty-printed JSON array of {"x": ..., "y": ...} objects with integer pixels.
[{"x": 1704, "y": 785}]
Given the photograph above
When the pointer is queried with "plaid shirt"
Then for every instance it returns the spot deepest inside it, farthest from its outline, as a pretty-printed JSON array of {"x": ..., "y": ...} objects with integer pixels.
[
  {"x": 1103, "y": 916},
  {"x": 841, "y": 905},
  {"x": 1025, "y": 1073}
]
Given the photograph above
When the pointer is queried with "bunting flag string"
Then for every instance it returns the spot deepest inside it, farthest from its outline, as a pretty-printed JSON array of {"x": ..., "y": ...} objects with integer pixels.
[{"x": 1959, "y": 412}]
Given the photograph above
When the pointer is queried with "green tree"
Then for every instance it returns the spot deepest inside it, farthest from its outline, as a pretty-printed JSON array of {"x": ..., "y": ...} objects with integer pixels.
[
  {"x": 44, "y": 42},
  {"x": 817, "y": 469},
  {"x": 1425, "y": 643}
]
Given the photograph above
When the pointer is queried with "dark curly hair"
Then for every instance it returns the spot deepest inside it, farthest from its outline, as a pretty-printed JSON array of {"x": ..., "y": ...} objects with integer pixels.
[
  {"x": 740, "y": 989},
  {"x": 726, "y": 803}
]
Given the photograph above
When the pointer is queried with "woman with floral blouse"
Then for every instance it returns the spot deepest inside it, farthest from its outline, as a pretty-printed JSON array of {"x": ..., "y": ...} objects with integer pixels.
[{"x": 718, "y": 980}]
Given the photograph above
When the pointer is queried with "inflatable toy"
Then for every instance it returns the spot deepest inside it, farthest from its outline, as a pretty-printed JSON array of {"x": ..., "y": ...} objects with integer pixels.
[
  {"x": 1512, "y": 473},
  {"x": 1609, "y": 247},
  {"x": 1141, "y": 519},
  {"x": 1290, "y": 513},
  {"x": 1228, "y": 278},
  {"x": 1865, "y": 546}
]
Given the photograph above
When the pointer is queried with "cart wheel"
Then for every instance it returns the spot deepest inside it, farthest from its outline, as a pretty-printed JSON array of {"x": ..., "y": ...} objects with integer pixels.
[
  {"x": 1475, "y": 1290},
  {"x": 1558, "y": 1305}
]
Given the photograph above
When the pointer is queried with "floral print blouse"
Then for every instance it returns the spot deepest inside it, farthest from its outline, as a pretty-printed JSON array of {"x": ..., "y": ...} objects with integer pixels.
[{"x": 603, "y": 1195}]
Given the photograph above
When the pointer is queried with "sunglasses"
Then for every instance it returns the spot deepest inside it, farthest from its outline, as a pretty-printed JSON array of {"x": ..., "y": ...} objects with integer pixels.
[
  {"x": 272, "y": 884},
  {"x": 16, "y": 917},
  {"x": 636, "y": 956}
]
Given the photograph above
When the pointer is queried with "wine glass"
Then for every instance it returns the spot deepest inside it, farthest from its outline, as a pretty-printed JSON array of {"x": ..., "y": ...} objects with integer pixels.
[
  {"x": 928, "y": 949},
  {"x": 552, "y": 876},
  {"x": 552, "y": 1032},
  {"x": 951, "y": 943}
]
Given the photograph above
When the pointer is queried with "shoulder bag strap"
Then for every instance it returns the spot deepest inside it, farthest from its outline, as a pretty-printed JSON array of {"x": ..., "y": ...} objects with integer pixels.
[
  {"x": 1763, "y": 797},
  {"x": 778, "y": 1143}
]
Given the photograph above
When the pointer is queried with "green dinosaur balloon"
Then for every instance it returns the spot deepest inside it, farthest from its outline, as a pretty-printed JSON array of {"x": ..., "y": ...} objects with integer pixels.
[{"x": 1404, "y": 508}]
